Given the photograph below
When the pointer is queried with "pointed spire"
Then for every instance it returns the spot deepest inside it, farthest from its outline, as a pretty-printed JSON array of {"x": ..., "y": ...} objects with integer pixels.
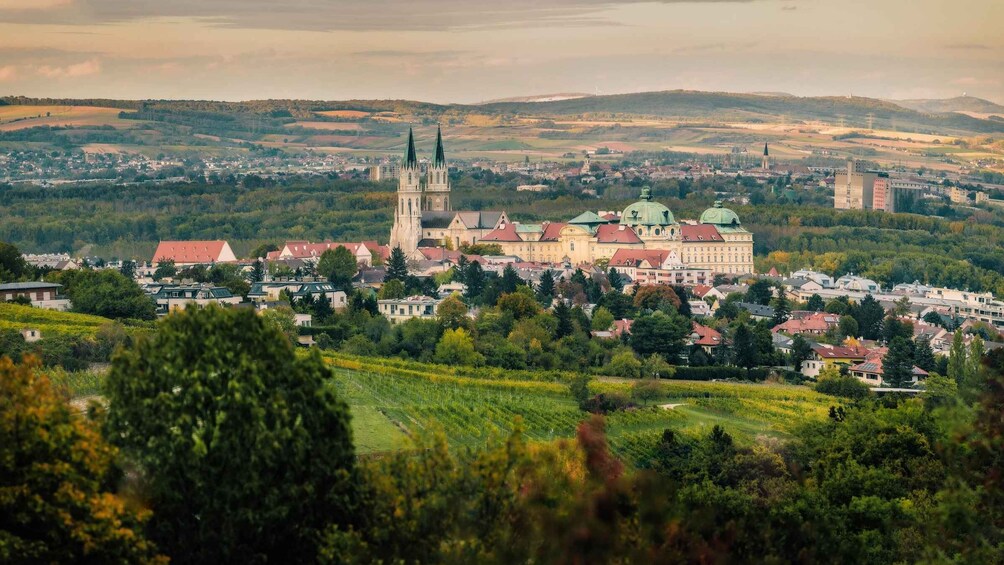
[
  {"x": 411, "y": 160},
  {"x": 765, "y": 149},
  {"x": 440, "y": 160}
]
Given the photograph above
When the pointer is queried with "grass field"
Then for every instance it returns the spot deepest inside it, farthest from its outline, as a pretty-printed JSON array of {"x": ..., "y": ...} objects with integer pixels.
[
  {"x": 391, "y": 399},
  {"x": 17, "y": 317},
  {"x": 21, "y": 117}
]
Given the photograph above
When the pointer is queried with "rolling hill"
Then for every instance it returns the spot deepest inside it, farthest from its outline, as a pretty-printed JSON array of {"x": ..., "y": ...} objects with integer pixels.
[{"x": 957, "y": 104}]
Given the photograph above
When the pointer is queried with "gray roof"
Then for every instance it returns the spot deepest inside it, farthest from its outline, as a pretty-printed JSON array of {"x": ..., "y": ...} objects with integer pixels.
[
  {"x": 437, "y": 219},
  {"x": 28, "y": 285},
  {"x": 757, "y": 309}
]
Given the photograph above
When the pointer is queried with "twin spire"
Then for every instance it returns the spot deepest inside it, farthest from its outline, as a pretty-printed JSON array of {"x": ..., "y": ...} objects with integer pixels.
[{"x": 411, "y": 157}]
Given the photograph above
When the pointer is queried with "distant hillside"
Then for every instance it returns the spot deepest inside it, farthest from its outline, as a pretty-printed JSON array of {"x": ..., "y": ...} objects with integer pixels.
[
  {"x": 541, "y": 98},
  {"x": 264, "y": 116},
  {"x": 853, "y": 111},
  {"x": 957, "y": 104}
]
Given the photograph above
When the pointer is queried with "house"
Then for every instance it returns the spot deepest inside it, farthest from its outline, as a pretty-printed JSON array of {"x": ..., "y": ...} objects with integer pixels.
[
  {"x": 822, "y": 279},
  {"x": 794, "y": 287},
  {"x": 31, "y": 335},
  {"x": 619, "y": 328},
  {"x": 757, "y": 311},
  {"x": 363, "y": 251},
  {"x": 856, "y": 283},
  {"x": 42, "y": 294},
  {"x": 870, "y": 370},
  {"x": 298, "y": 289},
  {"x": 808, "y": 323},
  {"x": 655, "y": 266},
  {"x": 185, "y": 253},
  {"x": 699, "y": 308},
  {"x": 823, "y": 355},
  {"x": 704, "y": 337},
  {"x": 704, "y": 291},
  {"x": 403, "y": 309},
  {"x": 171, "y": 297}
]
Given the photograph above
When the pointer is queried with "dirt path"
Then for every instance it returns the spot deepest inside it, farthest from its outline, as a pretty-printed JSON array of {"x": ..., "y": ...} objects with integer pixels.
[{"x": 671, "y": 406}]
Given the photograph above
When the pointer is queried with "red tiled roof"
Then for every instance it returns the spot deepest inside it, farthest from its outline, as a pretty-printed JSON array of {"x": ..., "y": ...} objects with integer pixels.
[
  {"x": 190, "y": 251},
  {"x": 700, "y": 290},
  {"x": 616, "y": 233},
  {"x": 817, "y": 322},
  {"x": 505, "y": 232},
  {"x": 634, "y": 257},
  {"x": 708, "y": 336},
  {"x": 840, "y": 352},
  {"x": 700, "y": 233},
  {"x": 552, "y": 231}
]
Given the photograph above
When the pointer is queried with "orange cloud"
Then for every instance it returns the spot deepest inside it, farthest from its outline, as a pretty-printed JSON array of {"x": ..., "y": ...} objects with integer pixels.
[
  {"x": 8, "y": 72},
  {"x": 90, "y": 67},
  {"x": 25, "y": 5}
]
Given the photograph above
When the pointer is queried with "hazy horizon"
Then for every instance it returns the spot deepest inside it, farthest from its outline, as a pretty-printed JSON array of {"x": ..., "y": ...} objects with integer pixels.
[{"x": 445, "y": 51}]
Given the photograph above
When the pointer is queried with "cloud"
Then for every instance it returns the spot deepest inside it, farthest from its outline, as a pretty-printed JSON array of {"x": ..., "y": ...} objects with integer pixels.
[
  {"x": 32, "y": 5},
  {"x": 8, "y": 72},
  {"x": 89, "y": 67},
  {"x": 968, "y": 46},
  {"x": 331, "y": 15}
]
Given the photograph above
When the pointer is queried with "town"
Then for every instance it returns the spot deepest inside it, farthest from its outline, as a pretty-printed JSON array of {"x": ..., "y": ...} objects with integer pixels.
[{"x": 517, "y": 283}]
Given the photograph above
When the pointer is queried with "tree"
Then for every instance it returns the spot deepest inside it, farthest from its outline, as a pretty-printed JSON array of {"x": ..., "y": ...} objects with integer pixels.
[
  {"x": 602, "y": 319},
  {"x": 510, "y": 280},
  {"x": 456, "y": 347},
  {"x": 901, "y": 307},
  {"x": 624, "y": 364},
  {"x": 54, "y": 471},
  {"x": 521, "y": 304},
  {"x": 228, "y": 427},
  {"x": 397, "y": 266},
  {"x": 800, "y": 351},
  {"x": 848, "y": 326},
  {"x": 615, "y": 279},
  {"x": 744, "y": 346},
  {"x": 934, "y": 319},
  {"x": 897, "y": 365},
  {"x": 760, "y": 292},
  {"x": 660, "y": 333},
  {"x": 892, "y": 327},
  {"x": 563, "y": 315},
  {"x": 263, "y": 250},
  {"x": 545, "y": 288},
  {"x": 973, "y": 383},
  {"x": 655, "y": 297},
  {"x": 392, "y": 289},
  {"x": 957, "y": 359},
  {"x": 939, "y": 391},
  {"x": 283, "y": 320},
  {"x": 657, "y": 368},
  {"x": 579, "y": 387},
  {"x": 924, "y": 355},
  {"x": 165, "y": 269},
  {"x": 128, "y": 269},
  {"x": 645, "y": 391},
  {"x": 257, "y": 273},
  {"x": 815, "y": 303},
  {"x": 782, "y": 309},
  {"x": 12, "y": 265},
  {"x": 452, "y": 312},
  {"x": 869, "y": 315},
  {"x": 474, "y": 278},
  {"x": 339, "y": 266},
  {"x": 106, "y": 293}
]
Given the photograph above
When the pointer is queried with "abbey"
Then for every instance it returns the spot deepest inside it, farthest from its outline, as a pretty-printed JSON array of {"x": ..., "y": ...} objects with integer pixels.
[
  {"x": 423, "y": 216},
  {"x": 644, "y": 231}
]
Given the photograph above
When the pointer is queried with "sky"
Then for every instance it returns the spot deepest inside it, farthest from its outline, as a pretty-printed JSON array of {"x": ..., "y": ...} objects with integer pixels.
[{"x": 468, "y": 51}]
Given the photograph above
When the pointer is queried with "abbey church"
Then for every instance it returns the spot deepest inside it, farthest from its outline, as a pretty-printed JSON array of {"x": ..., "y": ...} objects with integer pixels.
[{"x": 423, "y": 217}]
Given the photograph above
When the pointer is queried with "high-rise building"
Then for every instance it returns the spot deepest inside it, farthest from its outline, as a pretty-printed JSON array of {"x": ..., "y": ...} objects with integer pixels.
[{"x": 853, "y": 190}]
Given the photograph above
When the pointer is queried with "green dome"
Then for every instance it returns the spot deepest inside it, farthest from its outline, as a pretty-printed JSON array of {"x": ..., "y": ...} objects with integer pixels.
[
  {"x": 647, "y": 213},
  {"x": 719, "y": 216}
]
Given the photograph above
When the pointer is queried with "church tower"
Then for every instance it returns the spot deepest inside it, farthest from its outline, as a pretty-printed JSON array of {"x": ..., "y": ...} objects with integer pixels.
[
  {"x": 407, "y": 228},
  {"x": 766, "y": 158},
  {"x": 437, "y": 186}
]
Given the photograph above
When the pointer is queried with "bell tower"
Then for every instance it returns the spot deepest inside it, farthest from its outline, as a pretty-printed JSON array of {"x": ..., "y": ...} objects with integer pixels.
[
  {"x": 437, "y": 185},
  {"x": 407, "y": 228}
]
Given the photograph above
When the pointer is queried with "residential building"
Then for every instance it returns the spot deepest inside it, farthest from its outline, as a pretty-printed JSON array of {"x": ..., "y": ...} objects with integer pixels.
[
  {"x": 704, "y": 337},
  {"x": 958, "y": 195},
  {"x": 855, "y": 283},
  {"x": 869, "y": 371},
  {"x": 171, "y": 297},
  {"x": 185, "y": 253},
  {"x": 823, "y": 355},
  {"x": 808, "y": 323},
  {"x": 42, "y": 294},
  {"x": 269, "y": 291},
  {"x": 403, "y": 309},
  {"x": 822, "y": 279},
  {"x": 757, "y": 311},
  {"x": 363, "y": 251}
]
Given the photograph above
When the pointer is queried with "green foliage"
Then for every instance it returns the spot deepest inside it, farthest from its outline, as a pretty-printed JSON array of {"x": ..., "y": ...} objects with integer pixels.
[
  {"x": 456, "y": 347},
  {"x": 283, "y": 320},
  {"x": 339, "y": 266},
  {"x": 397, "y": 266},
  {"x": 55, "y": 473},
  {"x": 106, "y": 293},
  {"x": 624, "y": 364},
  {"x": 12, "y": 265},
  {"x": 845, "y": 387},
  {"x": 660, "y": 334},
  {"x": 602, "y": 319},
  {"x": 220, "y": 390}
]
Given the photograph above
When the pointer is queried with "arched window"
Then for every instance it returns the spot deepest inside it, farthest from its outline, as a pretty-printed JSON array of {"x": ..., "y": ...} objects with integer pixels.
[
  {"x": 656, "y": 231},
  {"x": 409, "y": 206}
]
